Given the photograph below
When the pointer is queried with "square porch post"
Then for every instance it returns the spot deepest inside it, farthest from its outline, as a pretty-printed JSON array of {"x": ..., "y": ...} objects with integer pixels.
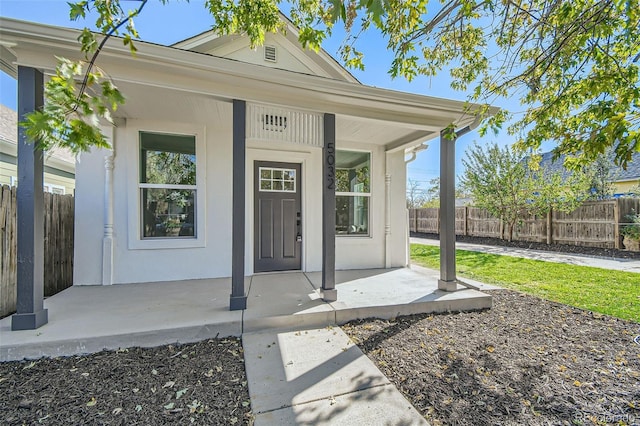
[
  {"x": 238, "y": 299},
  {"x": 329, "y": 292},
  {"x": 30, "y": 199},
  {"x": 447, "y": 279}
]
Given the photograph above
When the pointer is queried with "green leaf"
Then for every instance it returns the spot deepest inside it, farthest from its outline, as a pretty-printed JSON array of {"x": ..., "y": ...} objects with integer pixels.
[
  {"x": 376, "y": 9},
  {"x": 77, "y": 10},
  {"x": 87, "y": 41},
  {"x": 337, "y": 10}
]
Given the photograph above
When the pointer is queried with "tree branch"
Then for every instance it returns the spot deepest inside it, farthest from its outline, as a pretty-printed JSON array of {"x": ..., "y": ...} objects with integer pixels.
[{"x": 111, "y": 32}]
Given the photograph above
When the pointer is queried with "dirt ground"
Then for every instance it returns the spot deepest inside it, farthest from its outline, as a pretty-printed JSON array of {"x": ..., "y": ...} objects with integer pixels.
[
  {"x": 526, "y": 361},
  {"x": 202, "y": 383}
]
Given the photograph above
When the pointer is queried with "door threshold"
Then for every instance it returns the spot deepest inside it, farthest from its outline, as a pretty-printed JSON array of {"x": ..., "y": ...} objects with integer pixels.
[{"x": 289, "y": 271}]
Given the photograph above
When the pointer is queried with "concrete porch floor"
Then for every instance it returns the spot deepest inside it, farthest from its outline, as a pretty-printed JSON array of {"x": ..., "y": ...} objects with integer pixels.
[{"x": 85, "y": 319}]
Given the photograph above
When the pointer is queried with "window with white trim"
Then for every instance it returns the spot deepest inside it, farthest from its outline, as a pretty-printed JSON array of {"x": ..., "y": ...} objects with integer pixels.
[
  {"x": 53, "y": 189},
  {"x": 167, "y": 185},
  {"x": 353, "y": 192}
]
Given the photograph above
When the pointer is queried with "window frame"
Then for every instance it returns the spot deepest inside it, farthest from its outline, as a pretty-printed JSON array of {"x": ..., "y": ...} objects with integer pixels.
[
  {"x": 135, "y": 214},
  {"x": 168, "y": 186},
  {"x": 357, "y": 194},
  {"x": 53, "y": 188}
]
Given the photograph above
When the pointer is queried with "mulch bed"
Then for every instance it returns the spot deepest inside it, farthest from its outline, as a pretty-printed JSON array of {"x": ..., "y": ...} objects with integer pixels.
[
  {"x": 560, "y": 248},
  {"x": 526, "y": 361},
  {"x": 202, "y": 383}
]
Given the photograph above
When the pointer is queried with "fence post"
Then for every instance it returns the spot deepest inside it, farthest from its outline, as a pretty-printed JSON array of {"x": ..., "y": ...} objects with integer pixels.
[
  {"x": 616, "y": 224},
  {"x": 466, "y": 215},
  {"x": 550, "y": 226}
]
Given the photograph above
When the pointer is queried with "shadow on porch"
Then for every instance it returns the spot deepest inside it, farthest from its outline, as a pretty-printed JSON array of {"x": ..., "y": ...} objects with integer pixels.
[{"x": 86, "y": 319}]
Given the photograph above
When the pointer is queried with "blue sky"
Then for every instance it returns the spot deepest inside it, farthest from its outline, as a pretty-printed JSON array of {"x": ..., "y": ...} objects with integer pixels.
[{"x": 177, "y": 20}]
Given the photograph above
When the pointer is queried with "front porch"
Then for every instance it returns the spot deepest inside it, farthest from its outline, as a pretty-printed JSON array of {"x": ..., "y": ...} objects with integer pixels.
[{"x": 91, "y": 318}]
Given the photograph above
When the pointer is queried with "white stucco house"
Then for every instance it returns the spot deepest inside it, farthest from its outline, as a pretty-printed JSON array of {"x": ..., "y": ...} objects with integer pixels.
[{"x": 228, "y": 161}]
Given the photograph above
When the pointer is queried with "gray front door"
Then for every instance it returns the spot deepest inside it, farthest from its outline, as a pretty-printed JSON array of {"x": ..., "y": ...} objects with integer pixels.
[{"x": 278, "y": 226}]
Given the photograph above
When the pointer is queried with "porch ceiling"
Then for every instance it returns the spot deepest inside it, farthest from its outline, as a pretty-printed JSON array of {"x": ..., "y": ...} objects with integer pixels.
[{"x": 155, "y": 103}]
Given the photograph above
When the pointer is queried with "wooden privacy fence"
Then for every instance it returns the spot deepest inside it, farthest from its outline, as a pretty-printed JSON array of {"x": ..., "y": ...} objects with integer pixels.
[
  {"x": 58, "y": 245},
  {"x": 594, "y": 223}
]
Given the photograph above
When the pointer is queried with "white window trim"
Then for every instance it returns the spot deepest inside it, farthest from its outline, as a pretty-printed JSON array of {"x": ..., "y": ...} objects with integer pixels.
[
  {"x": 49, "y": 187},
  {"x": 132, "y": 147},
  {"x": 369, "y": 234},
  {"x": 46, "y": 186},
  {"x": 358, "y": 194}
]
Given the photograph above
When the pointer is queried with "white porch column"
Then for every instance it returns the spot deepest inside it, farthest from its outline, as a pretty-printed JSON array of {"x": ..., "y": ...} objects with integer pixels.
[
  {"x": 107, "y": 239},
  {"x": 387, "y": 214}
]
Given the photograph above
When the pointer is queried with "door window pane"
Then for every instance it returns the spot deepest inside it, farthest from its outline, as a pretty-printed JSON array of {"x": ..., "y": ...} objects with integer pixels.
[{"x": 278, "y": 180}]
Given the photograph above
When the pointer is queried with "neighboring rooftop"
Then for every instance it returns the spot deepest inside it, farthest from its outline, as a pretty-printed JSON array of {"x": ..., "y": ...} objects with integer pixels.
[
  {"x": 632, "y": 171},
  {"x": 8, "y": 124},
  {"x": 9, "y": 135}
]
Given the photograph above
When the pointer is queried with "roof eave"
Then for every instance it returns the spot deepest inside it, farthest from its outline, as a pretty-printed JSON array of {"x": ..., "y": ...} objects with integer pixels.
[{"x": 329, "y": 94}]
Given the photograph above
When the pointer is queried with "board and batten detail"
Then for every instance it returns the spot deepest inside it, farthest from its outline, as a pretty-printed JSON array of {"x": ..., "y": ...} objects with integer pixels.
[{"x": 272, "y": 124}]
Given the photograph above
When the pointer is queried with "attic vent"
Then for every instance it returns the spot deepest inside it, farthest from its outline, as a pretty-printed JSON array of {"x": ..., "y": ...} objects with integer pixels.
[
  {"x": 270, "y": 53},
  {"x": 267, "y": 123},
  {"x": 275, "y": 123}
]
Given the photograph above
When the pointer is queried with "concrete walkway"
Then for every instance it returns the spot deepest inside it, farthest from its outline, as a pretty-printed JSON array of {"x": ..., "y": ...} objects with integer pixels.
[
  {"x": 319, "y": 377},
  {"x": 627, "y": 265}
]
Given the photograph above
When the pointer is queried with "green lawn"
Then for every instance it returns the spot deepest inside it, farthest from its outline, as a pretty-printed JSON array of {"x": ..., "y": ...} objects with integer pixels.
[{"x": 609, "y": 292}]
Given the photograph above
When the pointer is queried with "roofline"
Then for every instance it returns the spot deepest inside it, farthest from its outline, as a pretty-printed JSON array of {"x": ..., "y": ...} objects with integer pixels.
[
  {"x": 38, "y": 41},
  {"x": 293, "y": 29},
  {"x": 50, "y": 159},
  {"x": 323, "y": 52}
]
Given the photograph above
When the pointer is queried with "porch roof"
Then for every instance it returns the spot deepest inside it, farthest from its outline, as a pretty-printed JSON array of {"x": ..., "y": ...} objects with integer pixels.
[{"x": 395, "y": 119}]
